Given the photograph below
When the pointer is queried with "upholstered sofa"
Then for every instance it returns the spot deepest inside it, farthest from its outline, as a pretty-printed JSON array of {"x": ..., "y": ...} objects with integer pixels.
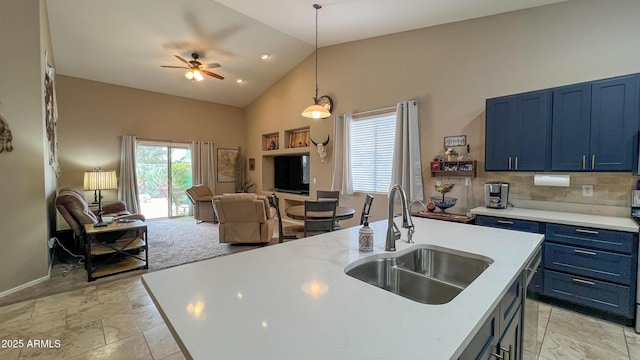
[
  {"x": 201, "y": 196},
  {"x": 75, "y": 210},
  {"x": 244, "y": 218}
]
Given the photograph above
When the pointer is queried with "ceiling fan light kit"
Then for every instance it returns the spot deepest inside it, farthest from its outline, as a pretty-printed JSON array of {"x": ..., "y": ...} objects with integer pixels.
[
  {"x": 195, "y": 69},
  {"x": 317, "y": 110}
]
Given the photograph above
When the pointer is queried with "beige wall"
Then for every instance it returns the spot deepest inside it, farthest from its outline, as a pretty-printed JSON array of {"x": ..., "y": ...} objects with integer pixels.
[
  {"x": 451, "y": 70},
  {"x": 26, "y": 179},
  {"x": 94, "y": 116}
]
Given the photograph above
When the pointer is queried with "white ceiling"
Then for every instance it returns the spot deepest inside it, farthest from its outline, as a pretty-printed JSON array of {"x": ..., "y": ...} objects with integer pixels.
[{"x": 124, "y": 42}]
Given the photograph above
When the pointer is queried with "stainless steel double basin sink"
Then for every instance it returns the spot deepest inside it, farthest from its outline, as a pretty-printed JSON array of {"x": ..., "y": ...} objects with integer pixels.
[{"x": 422, "y": 273}]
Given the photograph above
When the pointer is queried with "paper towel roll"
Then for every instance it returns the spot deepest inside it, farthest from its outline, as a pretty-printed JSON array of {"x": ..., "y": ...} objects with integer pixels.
[{"x": 551, "y": 180}]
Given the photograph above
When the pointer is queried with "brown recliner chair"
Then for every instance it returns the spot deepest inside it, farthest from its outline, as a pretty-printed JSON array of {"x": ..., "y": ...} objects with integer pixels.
[
  {"x": 244, "y": 218},
  {"x": 201, "y": 196},
  {"x": 75, "y": 210}
]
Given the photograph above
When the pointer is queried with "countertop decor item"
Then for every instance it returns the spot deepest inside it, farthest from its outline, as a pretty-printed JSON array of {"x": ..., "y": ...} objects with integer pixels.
[{"x": 443, "y": 203}]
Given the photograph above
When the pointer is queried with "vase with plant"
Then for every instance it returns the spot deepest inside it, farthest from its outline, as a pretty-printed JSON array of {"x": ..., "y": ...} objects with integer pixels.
[{"x": 451, "y": 153}]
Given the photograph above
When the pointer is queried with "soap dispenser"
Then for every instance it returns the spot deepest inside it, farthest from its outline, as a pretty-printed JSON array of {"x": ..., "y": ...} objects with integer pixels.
[{"x": 365, "y": 236}]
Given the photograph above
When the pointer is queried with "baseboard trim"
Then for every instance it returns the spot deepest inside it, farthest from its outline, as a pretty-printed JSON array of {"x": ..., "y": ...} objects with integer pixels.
[{"x": 24, "y": 286}]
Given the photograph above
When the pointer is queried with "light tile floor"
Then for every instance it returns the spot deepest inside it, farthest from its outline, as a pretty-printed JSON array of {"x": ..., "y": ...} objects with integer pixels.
[{"x": 118, "y": 320}]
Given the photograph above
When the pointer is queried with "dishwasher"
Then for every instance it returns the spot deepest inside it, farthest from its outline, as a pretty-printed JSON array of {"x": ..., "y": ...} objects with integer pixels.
[{"x": 530, "y": 329}]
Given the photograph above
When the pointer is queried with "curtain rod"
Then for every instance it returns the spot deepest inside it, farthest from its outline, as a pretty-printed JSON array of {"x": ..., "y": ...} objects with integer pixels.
[{"x": 372, "y": 112}]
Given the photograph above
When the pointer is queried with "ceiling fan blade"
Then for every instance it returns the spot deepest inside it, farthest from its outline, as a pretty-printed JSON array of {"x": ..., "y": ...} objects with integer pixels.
[
  {"x": 212, "y": 65},
  {"x": 213, "y": 74},
  {"x": 181, "y": 59},
  {"x": 174, "y": 67}
]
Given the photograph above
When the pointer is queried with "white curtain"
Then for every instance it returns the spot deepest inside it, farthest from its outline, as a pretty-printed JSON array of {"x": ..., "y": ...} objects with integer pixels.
[
  {"x": 128, "y": 189},
  {"x": 406, "y": 168},
  {"x": 342, "y": 155},
  {"x": 202, "y": 164}
]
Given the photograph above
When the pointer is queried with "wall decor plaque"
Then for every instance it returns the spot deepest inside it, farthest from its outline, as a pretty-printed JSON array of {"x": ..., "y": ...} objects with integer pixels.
[{"x": 458, "y": 140}]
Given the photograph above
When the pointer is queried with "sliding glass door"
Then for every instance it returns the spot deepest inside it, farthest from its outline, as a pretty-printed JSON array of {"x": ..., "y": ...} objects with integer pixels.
[{"x": 164, "y": 172}]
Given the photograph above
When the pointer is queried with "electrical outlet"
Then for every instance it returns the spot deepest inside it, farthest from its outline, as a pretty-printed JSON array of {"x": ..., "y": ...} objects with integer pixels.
[
  {"x": 587, "y": 190},
  {"x": 467, "y": 181},
  {"x": 52, "y": 242}
]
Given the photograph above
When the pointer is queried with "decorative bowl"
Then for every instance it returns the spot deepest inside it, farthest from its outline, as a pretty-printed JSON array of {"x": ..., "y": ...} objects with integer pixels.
[{"x": 443, "y": 203}]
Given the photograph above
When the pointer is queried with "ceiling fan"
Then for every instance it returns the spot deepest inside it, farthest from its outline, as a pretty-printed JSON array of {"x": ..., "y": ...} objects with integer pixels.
[{"x": 196, "y": 68}]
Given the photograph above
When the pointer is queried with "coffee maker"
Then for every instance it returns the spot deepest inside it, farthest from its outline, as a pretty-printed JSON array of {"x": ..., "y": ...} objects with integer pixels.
[{"x": 496, "y": 194}]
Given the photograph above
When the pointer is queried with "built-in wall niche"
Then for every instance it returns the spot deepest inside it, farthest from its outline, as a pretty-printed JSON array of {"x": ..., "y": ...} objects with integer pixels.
[
  {"x": 298, "y": 138},
  {"x": 271, "y": 141}
]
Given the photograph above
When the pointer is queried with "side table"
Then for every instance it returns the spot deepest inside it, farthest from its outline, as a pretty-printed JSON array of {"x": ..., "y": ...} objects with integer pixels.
[{"x": 115, "y": 248}]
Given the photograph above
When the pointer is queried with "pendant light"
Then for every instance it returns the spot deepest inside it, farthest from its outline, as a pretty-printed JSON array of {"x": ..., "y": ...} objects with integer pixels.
[{"x": 316, "y": 111}]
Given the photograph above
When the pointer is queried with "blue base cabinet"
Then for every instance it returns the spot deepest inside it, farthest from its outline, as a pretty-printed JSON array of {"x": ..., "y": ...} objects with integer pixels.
[
  {"x": 593, "y": 268},
  {"x": 500, "y": 337}
]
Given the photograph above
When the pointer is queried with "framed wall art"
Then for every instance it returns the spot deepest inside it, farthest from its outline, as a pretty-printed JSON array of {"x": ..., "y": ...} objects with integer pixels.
[
  {"x": 458, "y": 140},
  {"x": 227, "y": 160}
]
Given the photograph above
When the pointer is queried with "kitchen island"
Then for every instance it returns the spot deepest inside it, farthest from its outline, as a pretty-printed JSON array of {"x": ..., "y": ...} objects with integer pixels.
[{"x": 294, "y": 300}]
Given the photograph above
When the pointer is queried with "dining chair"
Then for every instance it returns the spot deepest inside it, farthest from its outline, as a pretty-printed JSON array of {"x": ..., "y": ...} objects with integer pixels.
[
  {"x": 288, "y": 232},
  {"x": 328, "y": 194},
  {"x": 315, "y": 223},
  {"x": 368, "y": 200}
]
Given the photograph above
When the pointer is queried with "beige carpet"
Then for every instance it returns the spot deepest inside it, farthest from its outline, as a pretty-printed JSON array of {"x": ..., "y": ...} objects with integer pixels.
[{"x": 172, "y": 242}]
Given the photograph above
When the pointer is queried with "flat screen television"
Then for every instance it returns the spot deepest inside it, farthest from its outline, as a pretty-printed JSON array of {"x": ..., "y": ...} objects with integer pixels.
[{"x": 291, "y": 173}]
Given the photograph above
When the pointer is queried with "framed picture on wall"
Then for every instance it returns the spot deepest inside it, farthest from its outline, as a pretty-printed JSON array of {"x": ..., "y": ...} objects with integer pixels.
[
  {"x": 252, "y": 164},
  {"x": 227, "y": 159},
  {"x": 458, "y": 140}
]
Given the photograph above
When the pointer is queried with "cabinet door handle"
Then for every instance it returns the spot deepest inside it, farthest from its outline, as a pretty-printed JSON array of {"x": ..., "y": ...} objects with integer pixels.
[
  {"x": 584, "y": 252},
  {"x": 584, "y": 282},
  {"x": 516, "y": 163},
  {"x": 509, "y": 162},
  {"x": 508, "y": 351},
  {"x": 592, "y": 232},
  {"x": 593, "y": 162},
  {"x": 584, "y": 162},
  {"x": 497, "y": 356},
  {"x": 506, "y": 222}
]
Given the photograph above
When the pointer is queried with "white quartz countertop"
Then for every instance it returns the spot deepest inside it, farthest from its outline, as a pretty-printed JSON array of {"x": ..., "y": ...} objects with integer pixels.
[
  {"x": 294, "y": 300},
  {"x": 561, "y": 217}
]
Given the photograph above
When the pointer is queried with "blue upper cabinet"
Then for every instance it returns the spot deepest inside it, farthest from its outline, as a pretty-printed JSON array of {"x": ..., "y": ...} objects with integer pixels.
[
  {"x": 614, "y": 121},
  {"x": 500, "y": 133},
  {"x": 518, "y": 132},
  {"x": 571, "y": 127},
  {"x": 594, "y": 125},
  {"x": 533, "y": 119}
]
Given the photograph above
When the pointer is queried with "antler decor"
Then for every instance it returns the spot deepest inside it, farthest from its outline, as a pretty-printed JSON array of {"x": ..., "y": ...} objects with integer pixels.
[{"x": 322, "y": 148}]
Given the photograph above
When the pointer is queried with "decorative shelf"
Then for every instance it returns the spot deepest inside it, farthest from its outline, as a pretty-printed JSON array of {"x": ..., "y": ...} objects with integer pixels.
[
  {"x": 271, "y": 142},
  {"x": 288, "y": 151},
  {"x": 455, "y": 168},
  {"x": 298, "y": 138}
]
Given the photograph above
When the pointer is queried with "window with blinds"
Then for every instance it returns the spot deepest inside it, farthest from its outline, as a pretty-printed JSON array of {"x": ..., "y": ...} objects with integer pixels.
[{"x": 372, "y": 152}]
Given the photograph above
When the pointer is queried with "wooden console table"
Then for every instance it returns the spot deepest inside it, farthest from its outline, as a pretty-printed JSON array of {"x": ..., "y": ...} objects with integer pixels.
[{"x": 115, "y": 248}]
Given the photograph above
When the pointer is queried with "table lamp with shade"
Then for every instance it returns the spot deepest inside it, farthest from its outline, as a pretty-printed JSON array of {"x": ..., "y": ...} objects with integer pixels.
[{"x": 98, "y": 180}]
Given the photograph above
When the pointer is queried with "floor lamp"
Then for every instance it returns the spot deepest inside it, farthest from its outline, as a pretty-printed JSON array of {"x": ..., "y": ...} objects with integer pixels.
[{"x": 98, "y": 180}]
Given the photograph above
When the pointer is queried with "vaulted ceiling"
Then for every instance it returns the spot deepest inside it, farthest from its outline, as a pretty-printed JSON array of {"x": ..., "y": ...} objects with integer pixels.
[{"x": 125, "y": 42}]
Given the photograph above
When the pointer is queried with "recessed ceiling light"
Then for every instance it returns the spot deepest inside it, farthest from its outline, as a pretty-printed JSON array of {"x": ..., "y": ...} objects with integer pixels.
[
  {"x": 239, "y": 81},
  {"x": 265, "y": 56}
]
